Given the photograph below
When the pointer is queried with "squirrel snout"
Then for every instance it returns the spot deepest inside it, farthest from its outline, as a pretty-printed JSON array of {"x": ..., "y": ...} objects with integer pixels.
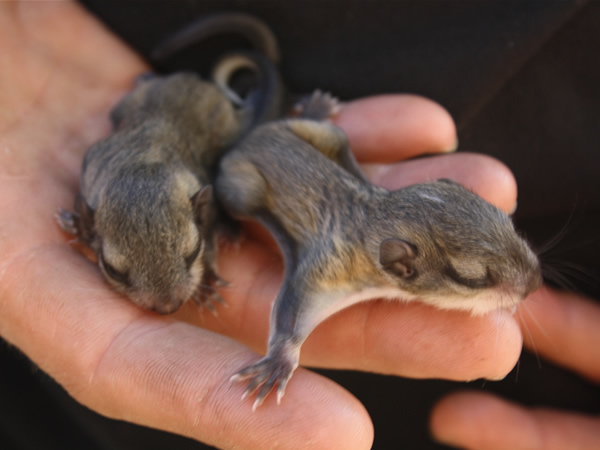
[
  {"x": 166, "y": 306},
  {"x": 534, "y": 281}
]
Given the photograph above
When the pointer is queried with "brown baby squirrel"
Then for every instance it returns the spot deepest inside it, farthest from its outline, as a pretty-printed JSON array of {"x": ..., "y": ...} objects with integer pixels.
[
  {"x": 146, "y": 203},
  {"x": 345, "y": 240}
]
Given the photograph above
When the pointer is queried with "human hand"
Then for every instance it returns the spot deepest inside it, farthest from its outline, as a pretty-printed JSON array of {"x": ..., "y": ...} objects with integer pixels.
[
  {"x": 561, "y": 327},
  {"x": 65, "y": 72}
]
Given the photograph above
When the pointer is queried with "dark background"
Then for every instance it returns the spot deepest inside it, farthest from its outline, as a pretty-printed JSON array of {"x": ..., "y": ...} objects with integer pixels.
[{"x": 521, "y": 81}]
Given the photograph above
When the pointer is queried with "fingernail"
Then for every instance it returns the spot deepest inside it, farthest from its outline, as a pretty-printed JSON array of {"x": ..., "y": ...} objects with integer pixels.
[
  {"x": 375, "y": 172},
  {"x": 496, "y": 377},
  {"x": 452, "y": 148}
]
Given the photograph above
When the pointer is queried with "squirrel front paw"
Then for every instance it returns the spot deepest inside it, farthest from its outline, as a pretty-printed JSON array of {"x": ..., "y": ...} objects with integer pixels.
[
  {"x": 207, "y": 295},
  {"x": 68, "y": 221},
  {"x": 317, "y": 106}
]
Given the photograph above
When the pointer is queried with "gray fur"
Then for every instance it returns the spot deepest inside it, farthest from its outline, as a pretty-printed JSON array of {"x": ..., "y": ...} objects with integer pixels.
[
  {"x": 146, "y": 204},
  {"x": 345, "y": 240}
]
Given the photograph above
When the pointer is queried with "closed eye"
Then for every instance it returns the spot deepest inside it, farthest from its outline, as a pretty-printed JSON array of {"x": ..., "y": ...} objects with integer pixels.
[
  {"x": 114, "y": 274},
  {"x": 189, "y": 260},
  {"x": 472, "y": 283}
]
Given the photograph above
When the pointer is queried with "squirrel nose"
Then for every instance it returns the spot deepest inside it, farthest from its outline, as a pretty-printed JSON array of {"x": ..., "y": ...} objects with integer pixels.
[
  {"x": 534, "y": 281},
  {"x": 166, "y": 306},
  {"x": 162, "y": 309}
]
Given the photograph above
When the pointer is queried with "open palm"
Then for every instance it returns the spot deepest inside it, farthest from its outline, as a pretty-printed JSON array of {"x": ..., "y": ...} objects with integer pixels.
[{"x": 62, "y": 73}]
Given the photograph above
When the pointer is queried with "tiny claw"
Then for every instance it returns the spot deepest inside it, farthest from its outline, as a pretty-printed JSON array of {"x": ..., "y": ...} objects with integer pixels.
[
  {"x": 220, "y": 282},
  {"x": 281, "y": 385},
  {"x": 236, "y": 378},
  {"x": 245, "y": 373},
  {"x": 209, "y": 306},
  {"x": 213, "y": 311},
  {"x": 317, "y": 106},
  {"x": 257, "y": 403},
  {"x": 220, "y": 300}
]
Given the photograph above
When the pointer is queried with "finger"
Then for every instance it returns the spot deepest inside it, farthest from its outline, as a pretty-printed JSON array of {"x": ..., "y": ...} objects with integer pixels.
[
  {"x": 417, "y": 341},
  {"x": 486, "y": 176},
  {"x": 483, "y": 422},
  {"x": 393, "y": 337},
  {"x": 152, "y": 370},
  {"x": 563, "y": 327},
  {"x": 390, "y": 128}
]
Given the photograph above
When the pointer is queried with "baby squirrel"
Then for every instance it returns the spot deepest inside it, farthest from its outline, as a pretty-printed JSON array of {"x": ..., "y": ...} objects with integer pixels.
[
  {"x": 146, "y": 203},
  {"x": 345, "y": 240}
]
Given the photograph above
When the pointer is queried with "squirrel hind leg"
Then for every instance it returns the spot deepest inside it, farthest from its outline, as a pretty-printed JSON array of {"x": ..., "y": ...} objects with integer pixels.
[
  {"x": 330, "y": 140},
  {"x": 241, "y": 188}
]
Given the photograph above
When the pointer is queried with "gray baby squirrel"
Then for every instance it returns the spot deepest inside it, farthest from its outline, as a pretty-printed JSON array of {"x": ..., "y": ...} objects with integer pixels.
[
  {"x": 345, "y": 240},
  {"x": 146, "y": 203}
]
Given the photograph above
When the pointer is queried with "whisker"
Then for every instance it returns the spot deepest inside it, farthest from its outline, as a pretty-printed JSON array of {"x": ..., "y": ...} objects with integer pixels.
[
  {"x": 497, "y": 340},
  {"x": 524, "y": 325},
  {"x": 557, "y": 251},
  {"x": 539, "y": 326},
  {"x": 576, "y": 271},
  {"x": 206, "y": 286},
  {"x": 559, "y": 236},
  {"x": 502, "y": 304},
  {"x": 555, "y": 276}
]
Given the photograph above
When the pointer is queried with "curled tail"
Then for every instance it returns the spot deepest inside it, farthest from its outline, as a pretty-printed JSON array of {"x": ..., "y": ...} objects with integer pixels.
[
  {"x": 260, "y": 94},
  {"x": 259, "y": 97},
  {"x": 249, "y": 27}
]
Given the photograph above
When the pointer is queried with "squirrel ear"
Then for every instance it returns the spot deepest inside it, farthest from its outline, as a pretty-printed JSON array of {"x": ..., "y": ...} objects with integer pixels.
[
  {"x": 200, "y": 201},
  {"x": 397, "y": 256},
  {"x": 85, "y": 219}
]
